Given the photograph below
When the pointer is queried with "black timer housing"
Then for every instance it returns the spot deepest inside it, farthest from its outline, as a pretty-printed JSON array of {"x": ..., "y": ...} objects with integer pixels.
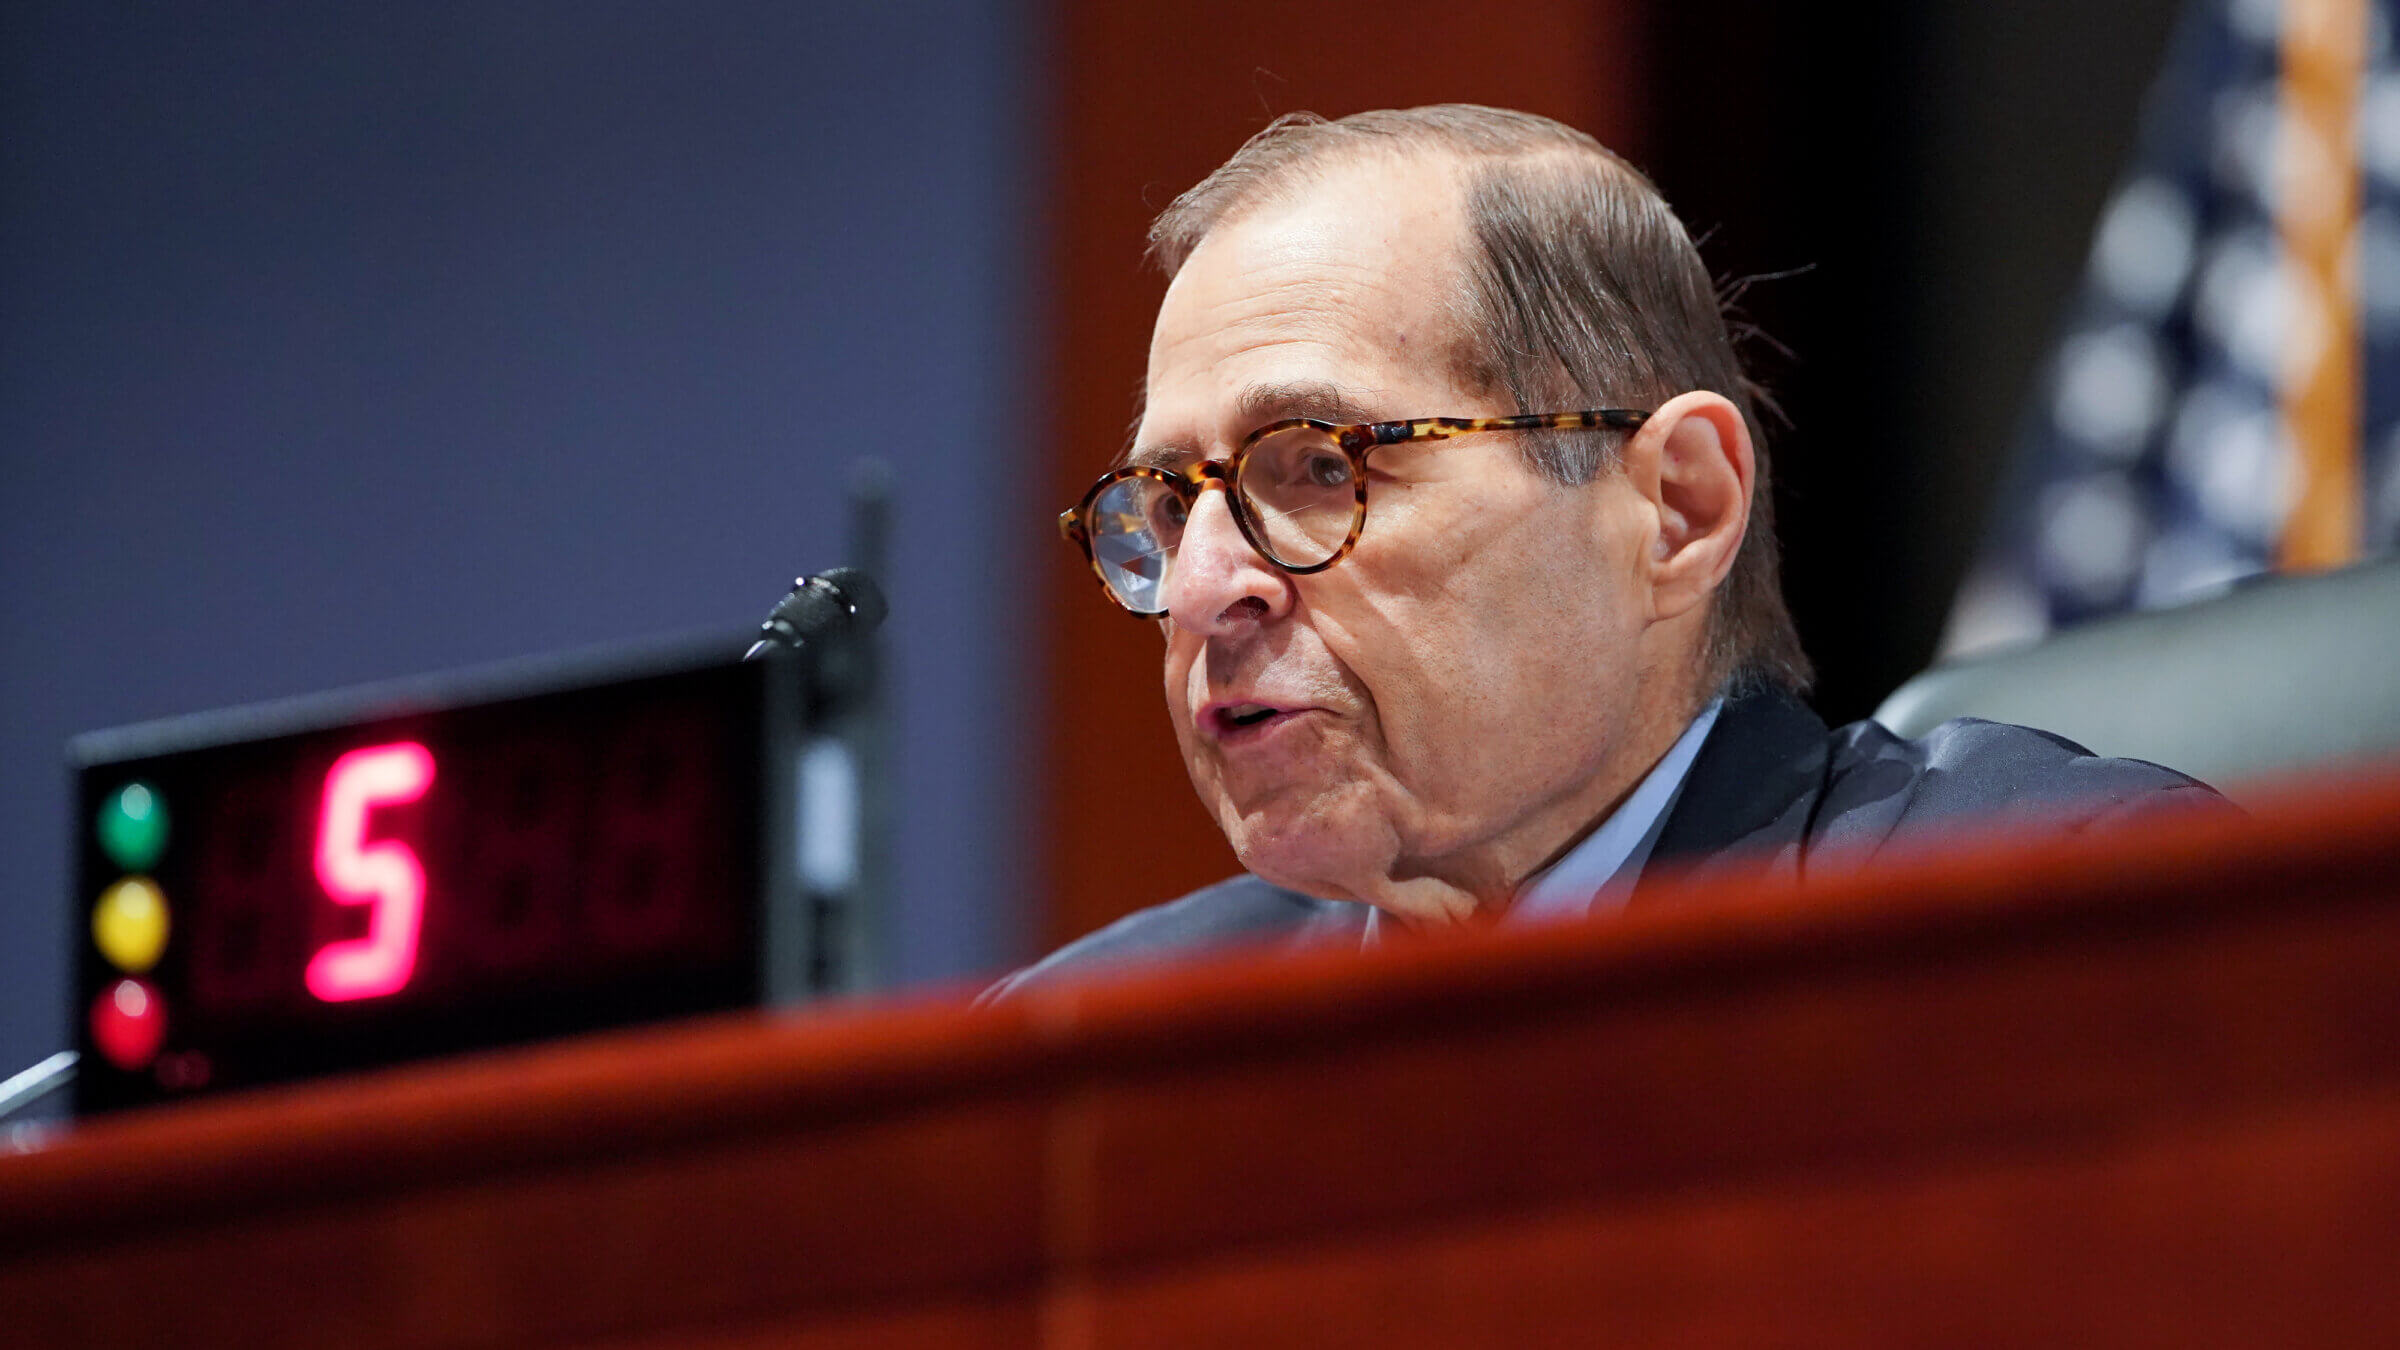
[{"x": 470, "y": 860}]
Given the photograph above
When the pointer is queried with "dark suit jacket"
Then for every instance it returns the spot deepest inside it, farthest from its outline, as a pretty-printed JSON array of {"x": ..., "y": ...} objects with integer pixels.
[{"x": 1772, "y": 795}]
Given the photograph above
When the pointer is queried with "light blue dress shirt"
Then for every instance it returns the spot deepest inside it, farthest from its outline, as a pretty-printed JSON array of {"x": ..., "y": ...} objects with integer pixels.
[{"x": 1599, "y": 872}]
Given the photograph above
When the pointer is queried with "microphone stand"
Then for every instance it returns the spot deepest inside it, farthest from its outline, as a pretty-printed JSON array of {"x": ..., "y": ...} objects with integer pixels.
[{"x": 841, "y": 788}]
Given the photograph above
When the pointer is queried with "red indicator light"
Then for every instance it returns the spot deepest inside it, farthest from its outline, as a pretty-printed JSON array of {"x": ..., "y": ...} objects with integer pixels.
[
  {"x": 129, "y": 1023},
  {"x": 383, "y": 875}
]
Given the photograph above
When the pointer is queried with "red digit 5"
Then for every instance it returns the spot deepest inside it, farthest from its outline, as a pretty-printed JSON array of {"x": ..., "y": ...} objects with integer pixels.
[{"x": 385, "y": 875}]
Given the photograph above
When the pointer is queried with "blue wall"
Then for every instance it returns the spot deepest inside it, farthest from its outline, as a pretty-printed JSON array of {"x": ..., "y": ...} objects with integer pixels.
[{"x": 342, "y": 341}]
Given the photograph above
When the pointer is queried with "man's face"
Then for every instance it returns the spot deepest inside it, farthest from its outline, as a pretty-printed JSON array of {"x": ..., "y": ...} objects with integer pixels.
[{"x": 1461, "y": 695}]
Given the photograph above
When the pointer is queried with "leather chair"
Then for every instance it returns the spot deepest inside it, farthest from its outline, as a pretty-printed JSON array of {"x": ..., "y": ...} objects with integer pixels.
[{"x": 2279, "y": 676}]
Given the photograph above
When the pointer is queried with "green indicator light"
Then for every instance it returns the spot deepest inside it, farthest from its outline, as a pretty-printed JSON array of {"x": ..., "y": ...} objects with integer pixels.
[{"x": 133, "y": 826}]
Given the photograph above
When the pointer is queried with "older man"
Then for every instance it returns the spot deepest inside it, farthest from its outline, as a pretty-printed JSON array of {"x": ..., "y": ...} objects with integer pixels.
[{"x": 1451, "y": 503}]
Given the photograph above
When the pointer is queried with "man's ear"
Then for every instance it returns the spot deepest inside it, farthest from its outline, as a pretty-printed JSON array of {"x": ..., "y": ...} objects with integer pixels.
[{"x": 1693, "y": 462}]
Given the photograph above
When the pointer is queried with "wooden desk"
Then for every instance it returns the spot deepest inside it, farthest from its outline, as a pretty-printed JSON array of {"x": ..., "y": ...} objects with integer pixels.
[{"x": 2143, "y": 1091}]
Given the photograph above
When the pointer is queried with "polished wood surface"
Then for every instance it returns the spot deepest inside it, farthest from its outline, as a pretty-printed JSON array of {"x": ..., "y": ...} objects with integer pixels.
[{"x": 2139, "y": 1090}]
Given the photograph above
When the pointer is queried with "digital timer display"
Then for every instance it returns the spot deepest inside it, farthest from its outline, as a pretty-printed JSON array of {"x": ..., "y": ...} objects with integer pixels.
[{"x": 390, "y": 882}]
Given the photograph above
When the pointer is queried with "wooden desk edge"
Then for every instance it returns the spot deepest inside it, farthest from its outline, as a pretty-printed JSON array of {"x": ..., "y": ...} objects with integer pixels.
[{"x": 686, "y": 1085}]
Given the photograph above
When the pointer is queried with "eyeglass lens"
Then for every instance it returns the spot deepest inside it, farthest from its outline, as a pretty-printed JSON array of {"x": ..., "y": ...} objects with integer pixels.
[
  {"x": 1296, "y": 487},
  {"x": 1135, "y": 526}
]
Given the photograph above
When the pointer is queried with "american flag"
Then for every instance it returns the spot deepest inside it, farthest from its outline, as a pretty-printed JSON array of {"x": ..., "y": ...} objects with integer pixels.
[{"x": 2225, "y": 397}]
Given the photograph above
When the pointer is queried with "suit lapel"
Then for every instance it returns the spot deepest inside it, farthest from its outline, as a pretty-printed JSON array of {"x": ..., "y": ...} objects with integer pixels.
[{"x": 1745, "y": 807}]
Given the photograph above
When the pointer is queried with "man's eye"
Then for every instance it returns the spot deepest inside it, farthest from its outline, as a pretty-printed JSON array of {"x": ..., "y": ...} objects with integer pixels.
[{"x": 1325, "y": 471}]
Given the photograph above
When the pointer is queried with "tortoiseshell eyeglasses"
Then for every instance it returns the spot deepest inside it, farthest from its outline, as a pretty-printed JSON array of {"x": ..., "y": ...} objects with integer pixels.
[{"x": 1297, "y": 489}]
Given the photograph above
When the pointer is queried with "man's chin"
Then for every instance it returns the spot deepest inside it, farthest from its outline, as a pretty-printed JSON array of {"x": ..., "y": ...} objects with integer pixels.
[{"x": 1328, "y": 857}]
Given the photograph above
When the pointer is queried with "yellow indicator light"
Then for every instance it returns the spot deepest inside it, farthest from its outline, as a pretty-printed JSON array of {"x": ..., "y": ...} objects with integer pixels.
[{"x": 130, "y": 924}]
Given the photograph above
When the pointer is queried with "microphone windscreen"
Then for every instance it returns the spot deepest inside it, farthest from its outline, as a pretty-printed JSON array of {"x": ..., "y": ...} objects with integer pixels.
[
  {"x": 808, "y": 611},
  {"x": 864, "y": 597}
]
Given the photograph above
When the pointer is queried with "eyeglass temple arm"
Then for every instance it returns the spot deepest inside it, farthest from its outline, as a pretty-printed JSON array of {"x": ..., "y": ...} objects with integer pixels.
[{"x": 1440, "y": 428}]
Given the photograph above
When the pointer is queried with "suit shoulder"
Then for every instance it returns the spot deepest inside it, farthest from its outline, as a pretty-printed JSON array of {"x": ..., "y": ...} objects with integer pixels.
[
  {"x": 1239, "y": 911},
  {"x": 1879, "y": 781}
]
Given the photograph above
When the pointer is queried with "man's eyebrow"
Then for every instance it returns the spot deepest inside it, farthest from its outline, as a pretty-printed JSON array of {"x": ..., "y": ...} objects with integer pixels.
[
  {"x": 1157, "y": 455},
  {"x": 1263, "y": 403},
  {"x": 1321, "y": 399}
]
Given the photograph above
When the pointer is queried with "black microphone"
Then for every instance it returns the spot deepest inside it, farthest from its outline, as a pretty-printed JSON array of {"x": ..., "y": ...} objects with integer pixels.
[{"x": 836, "y": 600}]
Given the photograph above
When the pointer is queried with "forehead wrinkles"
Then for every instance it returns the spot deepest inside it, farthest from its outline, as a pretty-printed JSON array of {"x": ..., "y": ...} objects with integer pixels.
[
  {"x": 1290, "y": 301},
  {"x": 1362, "y": 264}
]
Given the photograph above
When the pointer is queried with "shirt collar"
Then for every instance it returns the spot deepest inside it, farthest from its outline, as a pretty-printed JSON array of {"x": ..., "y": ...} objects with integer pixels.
[{"x": 1598, "y": 873}]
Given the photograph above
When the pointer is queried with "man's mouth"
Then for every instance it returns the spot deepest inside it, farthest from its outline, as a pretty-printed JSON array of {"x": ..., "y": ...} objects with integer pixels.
[{"x": 1246, "y": 720}]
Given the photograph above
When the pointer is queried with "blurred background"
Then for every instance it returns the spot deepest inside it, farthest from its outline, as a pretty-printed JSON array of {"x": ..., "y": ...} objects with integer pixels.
[{"x": 343, "y": 342}]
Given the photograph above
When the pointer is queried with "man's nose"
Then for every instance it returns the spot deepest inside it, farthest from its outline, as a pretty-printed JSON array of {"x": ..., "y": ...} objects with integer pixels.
[{"x": 1219, "y": 582}]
